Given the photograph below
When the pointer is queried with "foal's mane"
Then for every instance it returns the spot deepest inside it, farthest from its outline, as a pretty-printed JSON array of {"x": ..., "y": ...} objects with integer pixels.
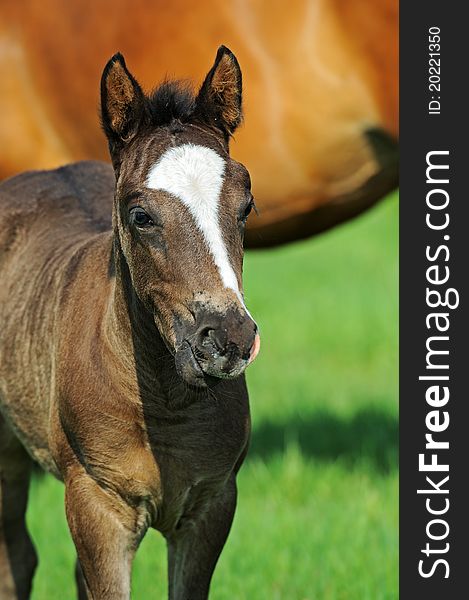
[{"x": 172, "y": 100}]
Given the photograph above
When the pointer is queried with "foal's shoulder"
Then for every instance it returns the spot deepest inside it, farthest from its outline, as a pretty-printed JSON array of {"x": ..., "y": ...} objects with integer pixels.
[{"x": 84, "y": 188}]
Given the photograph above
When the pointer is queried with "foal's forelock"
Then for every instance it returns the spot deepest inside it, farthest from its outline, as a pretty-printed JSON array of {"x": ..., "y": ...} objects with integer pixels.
[{"x": 194, "y": 175}]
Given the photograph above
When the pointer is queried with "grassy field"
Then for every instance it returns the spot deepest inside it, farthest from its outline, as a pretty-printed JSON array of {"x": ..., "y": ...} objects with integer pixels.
[{"x": 317, "y": 515}]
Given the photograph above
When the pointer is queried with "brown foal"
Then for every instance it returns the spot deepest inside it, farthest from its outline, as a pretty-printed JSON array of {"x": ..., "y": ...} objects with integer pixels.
[{"x": 123, "y": 344}]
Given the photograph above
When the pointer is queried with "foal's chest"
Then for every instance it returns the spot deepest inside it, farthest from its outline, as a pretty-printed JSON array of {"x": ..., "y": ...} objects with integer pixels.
[
  {"x": 195, "y": 458},
  {"x": 168, "y": 456},
  {"x": 204, "y": 441}
]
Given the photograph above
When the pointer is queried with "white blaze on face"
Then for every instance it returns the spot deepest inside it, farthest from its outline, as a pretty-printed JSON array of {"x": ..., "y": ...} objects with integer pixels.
[{"x": 195, "y": 174}]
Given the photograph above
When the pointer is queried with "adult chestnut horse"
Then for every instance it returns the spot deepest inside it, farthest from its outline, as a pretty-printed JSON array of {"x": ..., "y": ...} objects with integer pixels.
[
  {"x": 122, "y": 349},
  {"x": 321, "y": 92}
]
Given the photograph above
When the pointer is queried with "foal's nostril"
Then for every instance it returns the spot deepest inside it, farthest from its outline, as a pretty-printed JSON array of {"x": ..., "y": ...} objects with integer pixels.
[
  {"x": 224, "y": 344},
  {"x": 204, "y": 332},
  {"x": 215, "y": 338}
]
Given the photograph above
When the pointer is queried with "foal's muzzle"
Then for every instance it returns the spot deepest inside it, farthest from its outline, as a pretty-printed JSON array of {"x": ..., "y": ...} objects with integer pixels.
[{"x": 219, "y": 345}]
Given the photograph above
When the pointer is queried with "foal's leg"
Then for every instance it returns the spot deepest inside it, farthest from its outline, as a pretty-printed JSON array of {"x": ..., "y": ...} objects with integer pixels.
[
  {"x": 17, "y": 555},
  {"x": 194, "y": 549},
  {"x": 106, "y": 532}
]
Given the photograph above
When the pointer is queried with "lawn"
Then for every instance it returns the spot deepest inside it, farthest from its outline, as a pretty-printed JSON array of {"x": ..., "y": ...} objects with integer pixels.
[{"x": 317, "y": 515}]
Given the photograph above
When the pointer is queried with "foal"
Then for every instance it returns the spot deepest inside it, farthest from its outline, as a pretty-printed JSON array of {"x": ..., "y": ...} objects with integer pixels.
[{"x": 122, "y": 346}]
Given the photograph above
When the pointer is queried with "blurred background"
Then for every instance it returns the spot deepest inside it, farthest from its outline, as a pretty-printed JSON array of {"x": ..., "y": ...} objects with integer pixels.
[{"x": 317, "y": 515}]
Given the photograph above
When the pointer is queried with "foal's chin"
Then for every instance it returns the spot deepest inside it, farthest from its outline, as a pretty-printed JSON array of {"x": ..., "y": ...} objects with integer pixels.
[{"x": 201, "y": 373}]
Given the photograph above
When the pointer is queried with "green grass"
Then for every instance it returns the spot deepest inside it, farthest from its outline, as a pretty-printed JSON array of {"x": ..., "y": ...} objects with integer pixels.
[{"x": 317, "y": 515}]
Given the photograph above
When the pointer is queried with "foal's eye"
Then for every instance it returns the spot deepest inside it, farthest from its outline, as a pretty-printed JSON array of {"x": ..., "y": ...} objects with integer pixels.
[
  {"x": 247, "y": 210},
  {"x": 140, "y": 218}
]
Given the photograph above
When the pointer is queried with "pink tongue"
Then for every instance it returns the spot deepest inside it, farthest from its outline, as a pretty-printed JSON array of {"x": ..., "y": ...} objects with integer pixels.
[{"x": 255, "y": 348}]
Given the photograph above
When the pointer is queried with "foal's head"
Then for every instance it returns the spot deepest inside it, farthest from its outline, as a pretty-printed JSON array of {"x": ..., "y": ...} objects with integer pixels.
[{"x": 181, "y": 206}]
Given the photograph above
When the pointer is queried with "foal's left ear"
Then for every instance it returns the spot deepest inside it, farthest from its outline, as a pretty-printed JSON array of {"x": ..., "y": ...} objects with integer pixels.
[
  {"x": 220, "y": 97},
  {"x": 122, "y": 101}
]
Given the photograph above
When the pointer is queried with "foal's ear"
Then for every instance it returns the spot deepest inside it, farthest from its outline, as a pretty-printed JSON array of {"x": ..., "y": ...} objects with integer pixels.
[
  {"x": 122, "y": 101},
  {"x": 219, "y": 99}
]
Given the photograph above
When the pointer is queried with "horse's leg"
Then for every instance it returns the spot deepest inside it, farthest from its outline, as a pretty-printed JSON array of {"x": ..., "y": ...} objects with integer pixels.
[
  {"x": 194, "y": 549},
  {"x": 106, "y": 532},
  {"x": 17, "y": 555}
]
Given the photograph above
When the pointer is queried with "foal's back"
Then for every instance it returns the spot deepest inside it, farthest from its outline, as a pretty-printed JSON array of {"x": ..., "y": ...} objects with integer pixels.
[
  {"x": 47, "y": 219},
  {"x": 81, "y": 193}
]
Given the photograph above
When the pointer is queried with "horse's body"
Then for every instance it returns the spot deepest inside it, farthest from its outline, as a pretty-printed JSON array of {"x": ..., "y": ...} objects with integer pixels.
[
  {"x": 91, "y": 383},
  {"x": 321, "y": 79}
]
